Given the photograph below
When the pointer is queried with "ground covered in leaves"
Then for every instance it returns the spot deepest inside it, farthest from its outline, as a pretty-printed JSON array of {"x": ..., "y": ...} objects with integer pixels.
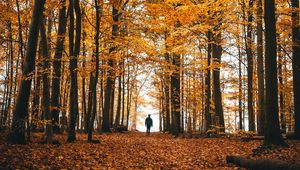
[{"x": 135, "y": 150}]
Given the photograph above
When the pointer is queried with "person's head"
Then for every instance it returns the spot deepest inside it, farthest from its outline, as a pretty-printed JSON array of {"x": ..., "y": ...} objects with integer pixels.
[{"x": 149, "y": 115}]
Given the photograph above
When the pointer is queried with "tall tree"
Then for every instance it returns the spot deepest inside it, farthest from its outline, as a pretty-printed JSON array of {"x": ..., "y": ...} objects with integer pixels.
[
  {"x": 110, "y": 80},
  {"x": 216, "y": 54},
  {"x": 208, "y": 84},
  {"x": 46, "y": 82},
  {"x": 260, "y": 70},
  {"x": 56, "y": 80},
  {"x": 167, "y": 95},
  {"x": 250, "y": 67},
  {"x": 272, "y": 128},
  {"x": 296, "y": 64},
  {"x": 73, "y": 53},
  {"x": 175, "y": 95},
  {"x": 94, "y": 76},
  {"x": 17, "y": 134}
]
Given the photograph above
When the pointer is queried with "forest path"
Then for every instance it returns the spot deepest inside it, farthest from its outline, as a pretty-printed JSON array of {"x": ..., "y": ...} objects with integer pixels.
[{"x": 134, "y": 150}]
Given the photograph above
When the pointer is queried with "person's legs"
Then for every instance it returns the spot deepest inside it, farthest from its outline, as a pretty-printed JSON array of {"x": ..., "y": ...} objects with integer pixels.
[{"x": 148, "y": 130}]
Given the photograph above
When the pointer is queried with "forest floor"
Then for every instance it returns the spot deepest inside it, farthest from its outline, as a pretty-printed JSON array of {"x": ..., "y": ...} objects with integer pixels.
[{"x": 135, "y": 150}]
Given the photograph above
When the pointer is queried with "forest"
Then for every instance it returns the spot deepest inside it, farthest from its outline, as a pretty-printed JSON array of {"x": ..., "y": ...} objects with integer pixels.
[{"x": 219, "y": 78}]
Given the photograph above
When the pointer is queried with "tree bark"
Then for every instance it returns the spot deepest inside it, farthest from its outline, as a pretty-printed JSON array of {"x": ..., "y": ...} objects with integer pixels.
[
  {"x": 74, "y": 52},
  {"x": 260, "y": 71},
  {"x": 55, "y": 88},
  {"x": 281, "y": 88},
  {"x": 208, "y": 84},
  {"x": 250, "y": 68},
  {"x": 175, "y": 95},
  {"x": 95, "y": 76},
  {"x": 216, "y": 54},
  {"x": 167, "y": 96},
  {"x": 241, "y": 118},
  {"x": 110, "y": 81},
  {"x": 296, "y": 64},
  {"x": 117, "y": 119},
  {"x": 46, "y": 82},
  {"x": 272, "y": 129}
]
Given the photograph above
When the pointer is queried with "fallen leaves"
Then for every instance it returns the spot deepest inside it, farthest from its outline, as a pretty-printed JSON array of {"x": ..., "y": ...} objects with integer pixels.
[{"x": 135, "y": 151}]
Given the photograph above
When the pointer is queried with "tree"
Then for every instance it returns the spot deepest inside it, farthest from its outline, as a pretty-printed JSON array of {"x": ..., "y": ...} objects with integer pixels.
[
  {"x": 272, "y": 128},
  {"x": 250, "y": 67},
  {"x": 56, "y": 80},
  {"x": 73, "y": 53},
  {"x": 208, "y": 84},
  {"x": 216, "y": 54},
  {"x": 17, "y": 134},
  {"x": 46, "y": 82},
  {"x": 175, "y": 95},
  {"x": 110, "y": 80},
  {"x": 260, "y": 71},
  {"x": 296, "y": 64},
  {"x": 94, "y": 76}
]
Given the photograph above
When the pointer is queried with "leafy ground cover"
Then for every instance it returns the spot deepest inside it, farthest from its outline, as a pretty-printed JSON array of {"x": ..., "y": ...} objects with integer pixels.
[{"x": 135, "y": 150}]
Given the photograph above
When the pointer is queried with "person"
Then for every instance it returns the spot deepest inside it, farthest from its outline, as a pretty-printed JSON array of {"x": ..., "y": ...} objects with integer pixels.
[{"x": 149, "y": 124}]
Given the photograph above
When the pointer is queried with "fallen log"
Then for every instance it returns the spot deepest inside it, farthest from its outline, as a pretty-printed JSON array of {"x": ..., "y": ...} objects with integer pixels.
[{"x": 262, "y": 164}]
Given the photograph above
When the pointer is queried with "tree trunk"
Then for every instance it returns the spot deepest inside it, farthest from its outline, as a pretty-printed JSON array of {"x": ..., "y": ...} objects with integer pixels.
[
  {"x": 46, "y": 82},
  {"x": 241, "y": 120},
  {"x": 123, "y": 92},
  {"x": 110, "y": 81},
  {"x": 281, "y": 87},
  {"x": 74, "y": 52},
  {"x": 208, "y": 84},
  {"x": 117, "y": 119},
  {"x": 251, "y": 116},
  {"x": 175, "y": 95},
  {"x": 260, "y": 71},
  {"x": 272, "y": 129},
  {"x": 129, "y": 96},
  {"x": 17, "y": 134},
  {"x": 296, "y": 64},
  {"x": 216, "y": 54},
  {"x": 55, "y": 88},
  {"x": 96, "y": 75},
  {"x": 167, "y": 96}
]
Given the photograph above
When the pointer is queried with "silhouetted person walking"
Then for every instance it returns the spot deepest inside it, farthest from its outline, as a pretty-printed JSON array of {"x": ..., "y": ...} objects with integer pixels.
[{"x": 148, "y": 124}]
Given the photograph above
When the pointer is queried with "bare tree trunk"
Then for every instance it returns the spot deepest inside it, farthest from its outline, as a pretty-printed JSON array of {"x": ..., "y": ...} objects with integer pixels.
[
  {"x": 117, "y": 119},
  {"x": 208, "y": 84},
  {"x": 46, "y": 82},
  {"x": 260, "y": 71},
  {"x": 94, "y": 77},
  {"x": 296, "y": 65},
  {"x": 123, "y": 91},
  {"x": 129, "y": 96},
  {"x": 167, "y": 96},
  {"x": 272, "y": 129},
  {"x": 175, "y": 95},
  {"x": 55, "y": 88},
  {"x": 281, "y": 87},
  {"x": 240, "y": 90},
  {"x": 74, "y": 52},
  {"x": 109, "y": 91},
  {"x": 251, "y": 116},
  {"x": 216, "y": 54}
]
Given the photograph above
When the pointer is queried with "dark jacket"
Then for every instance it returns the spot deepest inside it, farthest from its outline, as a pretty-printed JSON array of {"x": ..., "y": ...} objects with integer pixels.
[{"x": 148, "y": 122}]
